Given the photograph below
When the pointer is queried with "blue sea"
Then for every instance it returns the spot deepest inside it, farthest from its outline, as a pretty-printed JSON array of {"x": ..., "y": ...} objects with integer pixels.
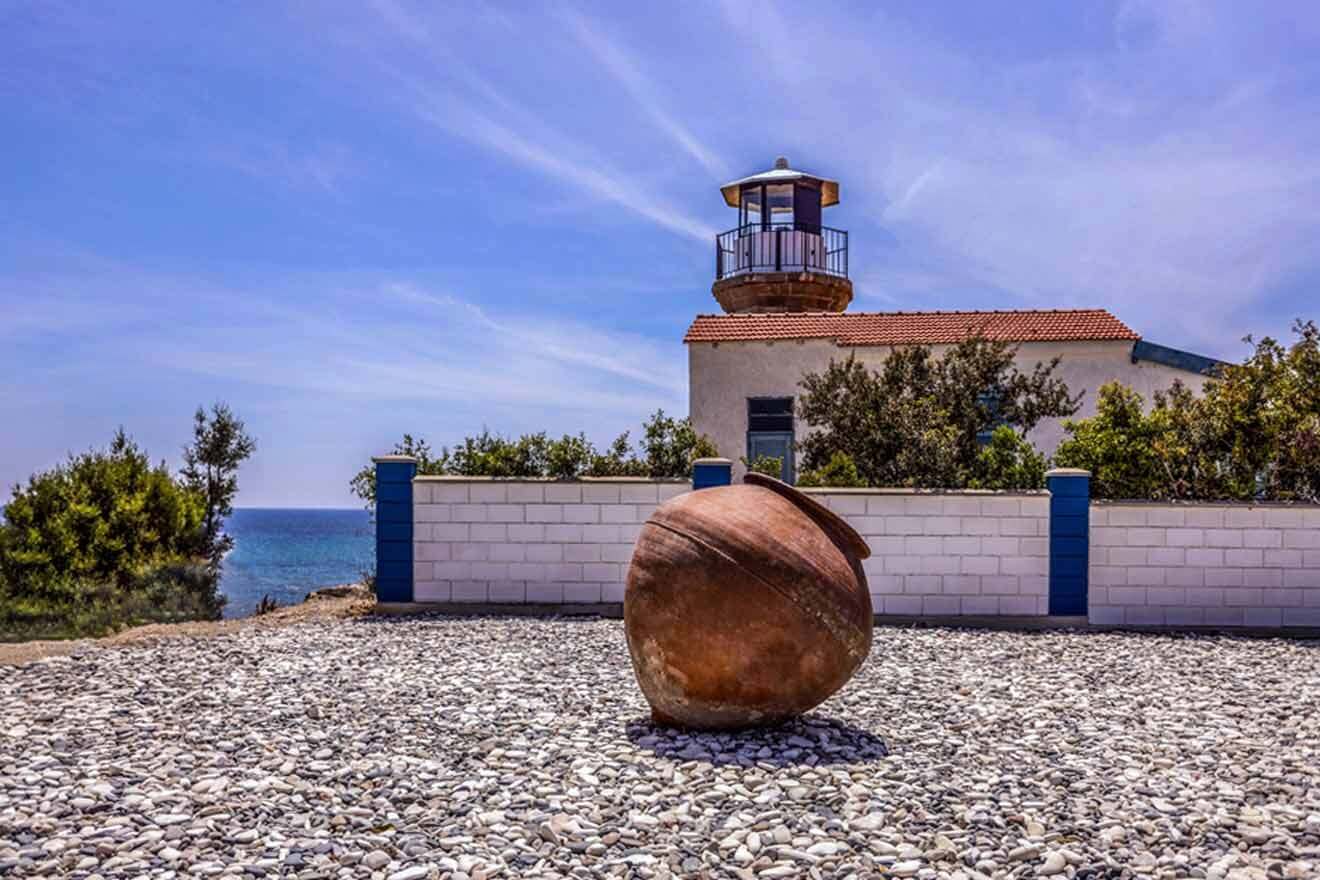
[{"x": 286, "y": 554}]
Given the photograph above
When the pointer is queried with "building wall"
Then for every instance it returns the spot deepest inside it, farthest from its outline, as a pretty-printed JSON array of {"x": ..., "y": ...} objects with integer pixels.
[
  {"x": 722, "y": 376},
  {"x": 1204, "y": 565}
]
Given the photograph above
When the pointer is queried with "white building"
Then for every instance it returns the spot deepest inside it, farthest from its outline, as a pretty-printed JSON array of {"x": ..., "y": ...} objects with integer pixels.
[{"x": 782, "y": 279}]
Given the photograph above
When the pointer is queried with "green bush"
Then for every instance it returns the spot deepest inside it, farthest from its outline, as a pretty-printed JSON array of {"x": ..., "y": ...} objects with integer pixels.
[
  {"x": 668, "y": 448},
  {"x": 106, "y": 539},
  {"x": 1252, "y": 435},
  {"x": 769, "y": 465},
  {"x": 919, "y": 420},
  {"x": 840, "y": 472},
  {"x": 1008, "y": 463}
]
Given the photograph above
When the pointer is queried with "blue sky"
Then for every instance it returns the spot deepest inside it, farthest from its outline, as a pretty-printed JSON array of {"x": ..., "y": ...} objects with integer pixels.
[{"x": 354, "y": 220}]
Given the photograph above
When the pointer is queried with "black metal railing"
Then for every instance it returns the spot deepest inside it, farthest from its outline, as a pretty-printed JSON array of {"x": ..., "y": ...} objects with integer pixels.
[{"x": 781, "y": 247}]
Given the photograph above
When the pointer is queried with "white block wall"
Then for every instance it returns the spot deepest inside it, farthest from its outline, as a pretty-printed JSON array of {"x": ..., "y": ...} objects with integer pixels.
[
  {"x": 528, "y": 541},
  {"x": 1205, "y": 565},
  {"x": 965, "y": 553}
]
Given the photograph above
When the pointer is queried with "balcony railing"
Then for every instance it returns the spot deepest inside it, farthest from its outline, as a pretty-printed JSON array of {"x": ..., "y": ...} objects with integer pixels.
[{"x": 781, "y": 247}]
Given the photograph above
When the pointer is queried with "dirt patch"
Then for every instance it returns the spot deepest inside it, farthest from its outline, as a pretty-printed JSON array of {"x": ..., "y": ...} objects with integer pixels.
[{"x": 331, "y": 603}]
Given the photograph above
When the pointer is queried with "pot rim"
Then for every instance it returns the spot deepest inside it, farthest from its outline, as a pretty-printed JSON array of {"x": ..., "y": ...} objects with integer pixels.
[{"x": 835, "y": 525}]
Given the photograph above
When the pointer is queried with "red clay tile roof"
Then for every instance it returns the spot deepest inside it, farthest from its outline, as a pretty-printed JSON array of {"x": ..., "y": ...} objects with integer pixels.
[{"x": 912, "y": 328}]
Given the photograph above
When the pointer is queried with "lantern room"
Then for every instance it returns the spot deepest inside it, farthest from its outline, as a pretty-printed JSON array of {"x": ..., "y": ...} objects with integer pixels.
[{"x": 781, "y": 257}]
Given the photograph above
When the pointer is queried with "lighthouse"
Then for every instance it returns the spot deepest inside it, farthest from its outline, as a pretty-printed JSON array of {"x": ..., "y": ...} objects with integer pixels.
[{"x": 780, "y": 257}]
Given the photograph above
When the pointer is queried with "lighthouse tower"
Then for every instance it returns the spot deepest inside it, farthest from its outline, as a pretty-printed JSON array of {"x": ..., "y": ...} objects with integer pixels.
[{"x": 779, "y": 258}]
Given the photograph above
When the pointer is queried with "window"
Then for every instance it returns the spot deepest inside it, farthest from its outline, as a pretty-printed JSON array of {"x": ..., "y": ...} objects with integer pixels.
[
  {"x": 990, "y": 400},
  {"x": 779, "y": 201},
  {"x": 751, "y": 207},
  {"x": 770, "y": 432}
]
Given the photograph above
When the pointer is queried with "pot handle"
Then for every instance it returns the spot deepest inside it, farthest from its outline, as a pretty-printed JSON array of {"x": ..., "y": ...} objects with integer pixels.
[{"x": 834, "y": 525}]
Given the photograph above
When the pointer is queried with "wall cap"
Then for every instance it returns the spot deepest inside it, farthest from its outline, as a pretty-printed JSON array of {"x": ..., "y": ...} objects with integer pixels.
[
  {"x": 377, "y": 459},
  {"x": 1229, "y": 503},
  {"x": 900, "y": 490},
  {"x": 1067, "y": 472},
  {"x": 544, "y": 481},
  {"x": 712, "y": 461}
]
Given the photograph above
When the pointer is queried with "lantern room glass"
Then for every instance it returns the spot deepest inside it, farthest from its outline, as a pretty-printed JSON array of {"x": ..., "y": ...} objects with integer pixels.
[
  {"x": 751, "y": 207},
  {"x": 779, "y": 202}
]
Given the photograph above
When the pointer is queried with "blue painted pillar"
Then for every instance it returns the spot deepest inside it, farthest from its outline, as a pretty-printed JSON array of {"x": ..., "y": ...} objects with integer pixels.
[
  {"x": 708, "y": 472},
  {"x": 1070, "y": 539},
  {"x": 394, "y": 527}
]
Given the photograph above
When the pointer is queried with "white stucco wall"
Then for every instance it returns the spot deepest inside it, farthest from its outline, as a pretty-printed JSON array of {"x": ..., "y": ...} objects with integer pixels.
[{"x": 721, "y": 376}]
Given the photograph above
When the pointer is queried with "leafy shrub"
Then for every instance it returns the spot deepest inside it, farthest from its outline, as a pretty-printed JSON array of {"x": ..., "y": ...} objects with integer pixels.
[
  {"x": 919, "y": 419},
  {"x": 668, "y": 448},
  {"x": 770, "y": 465},
  {"x": 840, "y": 472},
  {"x": 1008, "y": 463},
  {"x": 1253, "y": 434}
]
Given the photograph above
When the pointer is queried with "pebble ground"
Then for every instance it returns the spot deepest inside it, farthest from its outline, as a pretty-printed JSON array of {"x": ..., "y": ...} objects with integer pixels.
[{"x": 479, "y": 748}]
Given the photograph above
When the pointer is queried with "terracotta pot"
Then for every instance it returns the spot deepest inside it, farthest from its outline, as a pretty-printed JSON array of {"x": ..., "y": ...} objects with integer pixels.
[{"x": 745, "y": 605}]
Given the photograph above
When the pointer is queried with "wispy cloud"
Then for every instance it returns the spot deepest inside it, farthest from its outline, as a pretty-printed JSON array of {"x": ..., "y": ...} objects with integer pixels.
[{"x": 623, "y": 66}]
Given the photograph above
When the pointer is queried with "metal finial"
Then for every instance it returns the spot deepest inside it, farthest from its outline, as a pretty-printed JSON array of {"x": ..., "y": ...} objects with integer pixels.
[{"x": 781, "y": 163}]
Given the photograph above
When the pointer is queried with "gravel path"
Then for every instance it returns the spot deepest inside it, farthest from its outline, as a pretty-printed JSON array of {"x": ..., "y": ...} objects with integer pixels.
[{"x": 419, "y": 748}]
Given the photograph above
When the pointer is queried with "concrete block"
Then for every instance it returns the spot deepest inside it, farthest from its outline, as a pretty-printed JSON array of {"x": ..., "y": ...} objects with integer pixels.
[
  {"x": 1001, "y": 507},
  {"x": 907, "y": 605},
  {"x": 451, "y": 571},
  {"x": 923, "y": 505},
  {"x": 903, "y": 564},
  {"x": 581, "y": 513},
  {"x": 978, "y": 525},
  {"x": 544, "y": 513},
  {"x": 1166, "y": 556},
  {"x": 629, "y": 532},
  {"x": 1001, "y": 584},
  {"x": 546, "y": 552},
  {"x": 1020, "y": 605},
  {"x": 926, "y": 584},
  {"x": 431, "y": 591},
  {"x": 1127, "y": 595},
  {"x": 882, "y": 584},
  {"x": 886, "y": 545},
  {"x": 563, "y": 493},
  {"x": 488, "y": 493},
  {"x": 470, "y": 513},
  {"x": 1286, "y": 598},
  {"x": 1205, "y": 597},
  {"x": 565, "y": 533},
  {"x": 469, "y": 591},
  {"x": 616, "y": 553},
  {"x": 1245, "y": 597},
  {"x": 923, "y": 545},
  {"x": 545, "y": 592},
  {"x": 642, "y": 512},
  {"x": 905, "y": 525},
  {"x": 979, "y": 605},
  {"x": 526, "y": 533},
  {"x": 526, "y": 493},
  {"x": 1166, "y": 596},
  {"x": 1019, "y": 526},
  {"x": 447, "y": 492},
  {"x": 884, "y": 505},
  {"x": 960, "y": 506},
  {"x": 961, "y": 584},
  {"x": 1223, "y": 616},
  {"x": 1224, "y": 577},
  {"x": 421, "y": 493},
  {"x": 1205, "y": 557},
  {"x": 565, "y": 572},
  {"x": 450, "y": 531},
  {"x": 505, "y": 513},
  {"x": 1301, "y": 539},
  {"x": 1186, "y": 537},
  {"x": 940, "y": 605},
  {"x": 431, "y": 552},
  {"x": 1105, "y": 575},
  {"x": 581, "y": 552},
  {"x": 992, "y": 546},
  {"x": 423, "y": 571},
  {"x": 1302, "y": 578},
  {"x": 432, "y": 513},
  {"x": 611, "y": 592},
  {"x": 1151, "y": 537},
  {"x": 1244, "y": 558},
  {"x": 1263, "y": 577},
  {"x": 671, "y": 490},
  {"x": 956, "y": 545},
  {"x": 585, "y": 592},
  {"x": 1183, "y": 576},
  {"x": 1143, "y": 616},
  {"x": 1024, "y": 565},
  {"x": 1244, "y": 518},
  {"x": 639, "y": 493},
  {"x": 470, "y": 551},
  {"x": 602, "y": 493},
  {"x": 1184, "y": 616},
  {"x": 490, "y": 571},
  {"x": 1109, "y": 536},
  {"x": 1167, "y": 517},
  {"x": 507, "y": 591},
  {"x": 1128, "y": 516},
  {"x": 1284, "y": 558},
  {"x": 1223, "y": 537},
  {"x": 606, "y": 533},
  {"x": 1102, "y": 615},
  {"x": 940, "y": 564},
  {"x": 1205, "y": 517},
  {"x": 602, "y": 572},
  {"x": 618, "y": 513},
  {"x": 1283, "y": 518},
  {"x": 1128, "y": 556},
  {"x": 1033, "y": 584},
  {"x": 980, "y": 564},
  {"x": 531, "y": 572},
  {"x": 1264, "y": 538},
  {"x": 488, "y": 532},
  {"x": 508, "y": 552},
  {"x": 1262, "y": 616}
]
